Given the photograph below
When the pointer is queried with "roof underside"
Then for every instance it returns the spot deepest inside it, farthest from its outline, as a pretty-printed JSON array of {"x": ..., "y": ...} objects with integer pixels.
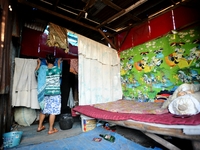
[{"x": 99, "y": 20}]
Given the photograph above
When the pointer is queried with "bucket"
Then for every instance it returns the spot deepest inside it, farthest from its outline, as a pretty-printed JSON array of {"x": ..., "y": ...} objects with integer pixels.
[
  {"x": 66, "y": 121},
  {"x": 12, "y": 139}
]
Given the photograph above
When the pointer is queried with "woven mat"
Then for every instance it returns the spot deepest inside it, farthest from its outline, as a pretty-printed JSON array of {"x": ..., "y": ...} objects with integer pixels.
[{"x": 84, "y": 141}]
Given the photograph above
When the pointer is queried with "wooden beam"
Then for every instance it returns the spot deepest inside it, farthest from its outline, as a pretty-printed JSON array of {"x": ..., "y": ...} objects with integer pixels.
[
  {"x": 130, "y": 8},
  {"x": 87, "y": 6},
  {"x": 122, "y": 12},
  {"x": 162, "y": 141},
  {"x": 116, "y": 7},
  {"x": 56, "y": 14},
  {"x": 147, "y": 8},
  {"x": 107, "y": 39},
  {"x": 174, "y": 132},
  {"x": 55, "y": 4},
  {"x": 112, "y": 5},
  {"x": 112, "y": 18}
]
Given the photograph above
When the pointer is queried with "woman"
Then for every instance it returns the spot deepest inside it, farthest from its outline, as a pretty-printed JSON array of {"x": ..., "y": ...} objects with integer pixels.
[{"x": 51, "y": 100}]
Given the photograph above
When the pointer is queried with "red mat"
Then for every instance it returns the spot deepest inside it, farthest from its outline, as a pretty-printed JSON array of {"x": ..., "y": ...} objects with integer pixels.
[{"x": 167, "y": 118}]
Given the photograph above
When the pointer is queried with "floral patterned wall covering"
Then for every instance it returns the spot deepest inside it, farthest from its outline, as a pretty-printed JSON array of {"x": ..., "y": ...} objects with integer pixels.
[{"x": 161, "y": 64}]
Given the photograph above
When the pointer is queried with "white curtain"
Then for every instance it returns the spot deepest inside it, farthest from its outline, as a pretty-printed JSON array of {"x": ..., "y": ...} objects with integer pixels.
[{"x": 99, "y": 72}]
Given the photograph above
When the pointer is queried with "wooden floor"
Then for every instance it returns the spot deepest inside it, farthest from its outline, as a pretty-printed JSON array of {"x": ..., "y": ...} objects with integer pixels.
[{"x": 30, "y": 136}]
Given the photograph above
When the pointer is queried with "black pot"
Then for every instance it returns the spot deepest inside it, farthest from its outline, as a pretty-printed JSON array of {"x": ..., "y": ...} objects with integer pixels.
[{"x": 66, "y": 121}]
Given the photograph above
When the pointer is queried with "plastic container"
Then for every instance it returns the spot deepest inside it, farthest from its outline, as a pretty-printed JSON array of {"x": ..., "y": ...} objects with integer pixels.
[
  {"x": 12, "y": 139},
  {"x": 88, "y": 123},
  {"x": 66, "y": 121}
]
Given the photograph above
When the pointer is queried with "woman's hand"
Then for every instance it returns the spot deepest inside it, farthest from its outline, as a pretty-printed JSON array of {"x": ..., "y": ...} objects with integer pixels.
[
  {"x": 38, "y": 64},
  {"x": 59, "y": 62},
  {"x": 38, "y": 61}
]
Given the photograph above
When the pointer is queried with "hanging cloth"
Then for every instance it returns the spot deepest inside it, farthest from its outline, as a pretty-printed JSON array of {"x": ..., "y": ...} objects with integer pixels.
[
  {"x": 57, "y": 37},
  {"x": 24, "y": 91},
  {"x": 99, "y": 73}
]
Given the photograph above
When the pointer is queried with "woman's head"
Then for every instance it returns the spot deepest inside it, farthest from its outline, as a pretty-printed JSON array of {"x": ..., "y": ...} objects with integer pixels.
[{"x": 50, "y": 58}]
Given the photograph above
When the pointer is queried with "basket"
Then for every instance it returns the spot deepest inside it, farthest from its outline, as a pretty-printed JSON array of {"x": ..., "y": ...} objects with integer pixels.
[
  {"x": 12, "y": 139},
  {"x": 66, "y": 121}
]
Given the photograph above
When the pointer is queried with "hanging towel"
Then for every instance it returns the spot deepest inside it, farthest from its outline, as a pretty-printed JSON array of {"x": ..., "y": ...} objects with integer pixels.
[
  {"x": 41, "y": 78},
  {"x": 24, "y": 91}
]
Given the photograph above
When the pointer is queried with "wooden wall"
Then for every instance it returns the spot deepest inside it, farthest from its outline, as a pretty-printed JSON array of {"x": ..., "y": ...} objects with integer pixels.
[{"x": 5, "y": 67}]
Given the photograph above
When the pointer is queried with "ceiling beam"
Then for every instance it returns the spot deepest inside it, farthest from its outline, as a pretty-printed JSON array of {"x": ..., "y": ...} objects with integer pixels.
[
  {"x": 84, "y": 11},
  {"x": 111, "y": 18},
  {"x": 147, "y": 8},
  {"x": 55, "y": 4},
  {"x": 116, "y": 7},
  {"x": 66, "y": 18},
  {"x": 63, "y": 16},
  {"x": 121, "y": 13},
  {"x": 107, "y": 39},
  {"x": 56, "y": 14},
  {"x": 127, "y": 10},
  {"x": 112, "y": 5}
]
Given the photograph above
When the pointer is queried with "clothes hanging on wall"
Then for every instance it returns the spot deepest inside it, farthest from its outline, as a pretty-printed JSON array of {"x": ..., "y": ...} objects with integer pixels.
[
  {"x": 24, "y": 91},
  {"x": 71, "y": 102}
]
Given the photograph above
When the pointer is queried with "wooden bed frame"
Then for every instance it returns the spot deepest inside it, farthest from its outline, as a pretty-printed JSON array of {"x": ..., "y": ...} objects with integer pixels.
[
  {"x": 152, "y": 125},
  {"x": 151, "y": 130}
]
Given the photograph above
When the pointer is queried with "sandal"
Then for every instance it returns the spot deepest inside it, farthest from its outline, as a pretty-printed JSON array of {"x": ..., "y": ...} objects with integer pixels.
[
  {"x": 42, "y": 128},
  {"x": 53, "y": 131}
]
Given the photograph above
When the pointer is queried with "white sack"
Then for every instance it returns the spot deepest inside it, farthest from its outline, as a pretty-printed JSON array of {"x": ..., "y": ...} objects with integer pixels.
[
  {"x": 185, "y": 87},
  {"x": 188, "y": 104},
  {"x": 24, "y": 116}
]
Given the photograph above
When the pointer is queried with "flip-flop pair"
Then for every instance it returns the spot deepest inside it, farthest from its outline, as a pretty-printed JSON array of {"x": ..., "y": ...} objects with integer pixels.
[
  {"x": 42, "y": 128},
  {"x": 53, "y": 131}
]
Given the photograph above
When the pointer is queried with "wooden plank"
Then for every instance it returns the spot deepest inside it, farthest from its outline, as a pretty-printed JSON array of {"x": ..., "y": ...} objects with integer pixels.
[
  {"x": 174, "y": 132},
  {"x": 107, "y": 39},
  {"x": 161, "y": 141},
  {"x": 87, "y": 6},
  {"x": 116, "y": 7}
]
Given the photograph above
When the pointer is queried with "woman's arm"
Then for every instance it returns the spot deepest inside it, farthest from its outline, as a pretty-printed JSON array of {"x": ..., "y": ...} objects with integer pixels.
[
  {"x": 38, "y": 64},
  {"x": 59, "y": 61}
]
